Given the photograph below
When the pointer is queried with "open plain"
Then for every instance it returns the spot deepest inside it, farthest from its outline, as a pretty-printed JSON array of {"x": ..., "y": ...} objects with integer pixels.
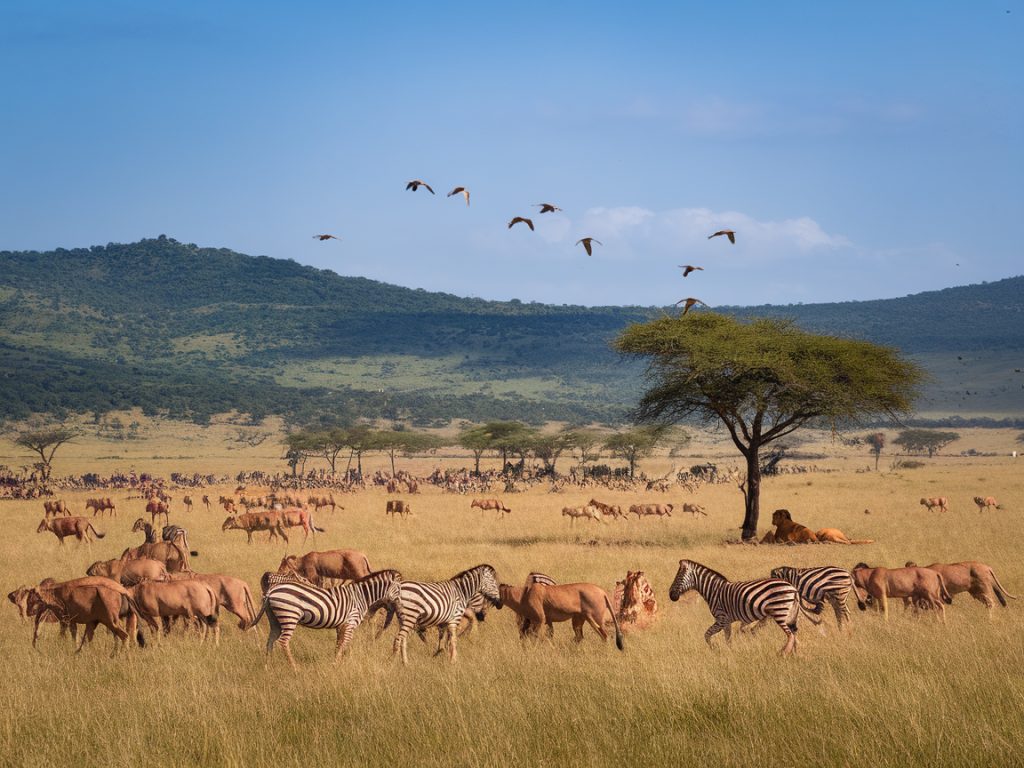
[{"x": 903, "y": 691}]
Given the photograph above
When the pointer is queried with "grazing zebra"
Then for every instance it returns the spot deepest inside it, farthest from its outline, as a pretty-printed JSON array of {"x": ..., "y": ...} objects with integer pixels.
[
  {"x": 288, "y": 605},
  {"x": 816, "y": 585},
  {"x": 442, "y": 604},
  {"x": 742, "y": 601}
]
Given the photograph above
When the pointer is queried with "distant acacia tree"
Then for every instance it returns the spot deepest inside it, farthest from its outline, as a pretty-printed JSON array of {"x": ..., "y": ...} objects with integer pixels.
[
  {"x": 503, "y": 437},
  {"x": 637, "y": 444},
  {"x": 763, "y": 380},
  {"x": 45, "y": 443},
  {"x": 928, "y": 440},
  {"x": 587, "y": 442},
  {"x": 875, "y": 443}
]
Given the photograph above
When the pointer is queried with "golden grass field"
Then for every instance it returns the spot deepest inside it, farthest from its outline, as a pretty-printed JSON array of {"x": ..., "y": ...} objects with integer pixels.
[{"x": 907, "y": 691}]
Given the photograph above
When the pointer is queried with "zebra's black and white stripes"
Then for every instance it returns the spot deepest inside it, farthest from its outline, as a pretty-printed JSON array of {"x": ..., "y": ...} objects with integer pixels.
[
  {"x": 816, "y": 585},
  {"x": 343, "y": 608},
  {"x": 742, "y": 601},
  {"x": 442, "y": 604}
]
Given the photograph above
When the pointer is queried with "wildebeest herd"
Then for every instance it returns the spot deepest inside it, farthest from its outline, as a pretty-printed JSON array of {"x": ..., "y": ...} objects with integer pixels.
[{"x": 338, "y": 589}]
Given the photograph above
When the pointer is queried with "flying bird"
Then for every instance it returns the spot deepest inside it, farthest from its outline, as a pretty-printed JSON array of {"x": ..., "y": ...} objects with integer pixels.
[
  {"x": 325, "y": 237},
  {"x": 586, "y": 244},
  {"x": 414, "y": 185},
  {"x": 546, "y": 207},
  {"x": 464, "y": 192},
  {"x": 689, "y": 303},
  {"x": 689, "y": 269},
  {"x": 517, "y": 219},
  {"x": 729, "y": 232}
]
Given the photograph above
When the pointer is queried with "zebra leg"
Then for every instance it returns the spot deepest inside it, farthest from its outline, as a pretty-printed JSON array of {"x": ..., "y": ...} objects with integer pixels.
[
  {"x": 345, "y": 632},
  {"x": 451, "y": 640},
  {"x": 714, "y": 629},
  {"x": 275, "y": 632}
]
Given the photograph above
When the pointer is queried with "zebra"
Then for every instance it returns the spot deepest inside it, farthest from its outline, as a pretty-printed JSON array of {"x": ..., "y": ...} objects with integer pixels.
[
  {"x": 742, "y": 601},
  {"x": 816, "y": 585},
  {"x": 441, "y": 604},
  {"x": 288, "y": 605}
]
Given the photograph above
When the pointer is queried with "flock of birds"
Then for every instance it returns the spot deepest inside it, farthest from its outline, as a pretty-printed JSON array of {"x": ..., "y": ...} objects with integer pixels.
[{"x": 549, "y": 208}]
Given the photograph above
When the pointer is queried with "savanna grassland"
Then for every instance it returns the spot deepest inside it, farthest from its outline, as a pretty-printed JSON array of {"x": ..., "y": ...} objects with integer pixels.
[{"x": 902, "y": 691}]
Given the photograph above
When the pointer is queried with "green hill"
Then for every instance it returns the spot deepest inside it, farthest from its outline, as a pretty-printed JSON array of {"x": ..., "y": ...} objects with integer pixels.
[{"x": 192, "y": 331}]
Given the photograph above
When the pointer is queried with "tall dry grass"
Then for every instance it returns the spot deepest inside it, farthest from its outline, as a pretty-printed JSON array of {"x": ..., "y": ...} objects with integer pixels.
[{"x": 907, "y": 691}]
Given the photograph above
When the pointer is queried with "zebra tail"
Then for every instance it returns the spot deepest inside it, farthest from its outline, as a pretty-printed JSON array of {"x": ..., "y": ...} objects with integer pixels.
[
  {"x": 615, "y": 621},
  {"x": 810, "y": 614},
  {"x": 815, "y": 608},
  {"x": 263, "y": 609}
]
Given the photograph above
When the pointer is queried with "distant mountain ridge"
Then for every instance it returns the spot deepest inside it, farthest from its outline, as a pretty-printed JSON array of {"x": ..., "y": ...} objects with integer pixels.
[{"x": 195, "y": 331}]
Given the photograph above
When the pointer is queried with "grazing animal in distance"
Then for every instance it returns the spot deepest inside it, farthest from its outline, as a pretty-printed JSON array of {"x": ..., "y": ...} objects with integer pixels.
[
  {"x": 414, "y": 185},
  {"x": 518, "y": 219},
  {"x": 546, "y": 207},
  {"x": 463, "y": 190},
  {"x": 342, "y": 608},
  {"x": 187, "y": 501},
  {"x": 586, "y": 244},
  {"x": 495, "y": 504},
  {"x": 688, "y": 269},
  {"x": 589, "y": 512},
  {"x": 54, "y": 508},
  {"x": 156, "y": 508},
  {"x": 251, "y": 522},
  {"x": 661, "y": 510},
  {"x": 938, "y": 501},
  {"x": 441, "y": 604},
  {"x": 727, "y": 232},
  {"x": 921, "y": 585},
  {"x": 816, "y": 585},
  {"x": 689, "y": 304},
  {"x": 609, "y": 510},
  {"x": 985, "y": 503},
  {"x": 321, "y": 238},
  {"x": 101, "y": 505},
  {"x": 787, "y": 530},
  {"x": 294, "y": 517},
  {"x": 398, "y": 507},
  {"x": 694, "y": 509},
  {"x": 742, "y": 601},
  {"x": 61, "y": 527},
  {"x": 977, "y": 579}
]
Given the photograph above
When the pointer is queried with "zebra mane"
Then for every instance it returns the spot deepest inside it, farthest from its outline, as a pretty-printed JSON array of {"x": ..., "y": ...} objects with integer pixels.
[
  {"x": 375, "y": 574},
  {"x": 712, "y": 571},
  {"x": 468, "y": 571}
]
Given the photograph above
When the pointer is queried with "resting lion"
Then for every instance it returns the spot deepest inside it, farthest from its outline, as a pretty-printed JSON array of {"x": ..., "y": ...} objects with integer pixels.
[{"x": 787, "y": 530}]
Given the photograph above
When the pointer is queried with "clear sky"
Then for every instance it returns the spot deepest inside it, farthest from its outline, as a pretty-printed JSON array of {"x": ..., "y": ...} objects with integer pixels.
[{"x": 859, "y": 150}]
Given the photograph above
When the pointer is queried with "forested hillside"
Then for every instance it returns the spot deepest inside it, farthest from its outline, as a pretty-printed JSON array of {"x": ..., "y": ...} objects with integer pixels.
[{"x": 192, "y": 331}]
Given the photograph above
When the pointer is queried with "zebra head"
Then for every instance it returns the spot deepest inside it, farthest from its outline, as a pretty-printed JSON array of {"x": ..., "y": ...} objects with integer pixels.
[
  {"x": 684, "y": 580},
  {"x": 483, "y": 580}
]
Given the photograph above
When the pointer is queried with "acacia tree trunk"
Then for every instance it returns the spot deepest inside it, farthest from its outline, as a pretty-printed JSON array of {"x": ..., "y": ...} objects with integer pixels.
[{"x": 752, "y": 494}]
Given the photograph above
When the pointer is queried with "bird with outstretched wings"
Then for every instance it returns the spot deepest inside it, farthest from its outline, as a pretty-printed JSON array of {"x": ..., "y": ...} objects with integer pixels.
[
  {"x": 518, "y": 219},
  {"x": 689, "y": 303},
  {"x": 586, "y": 244},
  {"x": 414, "y": 185},
  {"x": 463, "y": 190},
  {"x": 546, "y": 207},
  {"x": 688, "y": 269},
  {"x": 325, "y": 237},
  {"x": 727, "y": 232}
]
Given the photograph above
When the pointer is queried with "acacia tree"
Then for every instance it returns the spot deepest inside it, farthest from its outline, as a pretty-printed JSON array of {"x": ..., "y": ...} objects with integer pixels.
[
  {"x": 763, "y": 380},
  {"x": 929, "y": 440},
  {"x": 45, "y": 443},
  {"x": 588, "y": 443},
  {"x": 876, "y": 442},
  {"x": 636, "y": 444}
]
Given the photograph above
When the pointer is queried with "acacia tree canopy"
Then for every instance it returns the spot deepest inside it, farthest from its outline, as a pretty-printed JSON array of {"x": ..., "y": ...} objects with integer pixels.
[
  {"x": 45, "y": 443},
  {"x": 929, "y": 440},
  {"x": 763, "y": 380}
]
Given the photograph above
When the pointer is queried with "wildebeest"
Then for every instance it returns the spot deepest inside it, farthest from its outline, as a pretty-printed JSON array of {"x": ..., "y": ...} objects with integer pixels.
[
  {"x": 398, "y": 507},
  {"x": 591, "y": 513},
  {"x": 661, "y": 510},
  {"x": 938, "y": 501},
  {"x": 130, "y": 572},
  {"x": 921, "y": 585},
  {"x": 99, "y": 506},
  {"x": 495, "y": 504},
  {"x": 90, "y": 601},
  {"x": 541, "y": 604},
  {"x": 189, "y": 598},
  {"x": 340, "y": 564},
  {"x": 251, "y": 522},
  {"x": 977, "y": 579},
  {"x": 54, "y": 508},
  {"x": 983, "y": 503},
  {"x": 78, "y": 527}
]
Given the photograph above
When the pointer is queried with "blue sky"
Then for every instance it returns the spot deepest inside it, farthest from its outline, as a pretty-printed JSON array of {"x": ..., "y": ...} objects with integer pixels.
[{"x": 859, "y": 151}]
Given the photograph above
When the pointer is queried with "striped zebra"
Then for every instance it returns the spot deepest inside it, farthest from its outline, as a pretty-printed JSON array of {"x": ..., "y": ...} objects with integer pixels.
[
  {"x": 816, "y": 585},
  {"x": 442, "y": 605},
  {"x": 290, "y": 604},
  {"x": 742, "y": 601}
]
